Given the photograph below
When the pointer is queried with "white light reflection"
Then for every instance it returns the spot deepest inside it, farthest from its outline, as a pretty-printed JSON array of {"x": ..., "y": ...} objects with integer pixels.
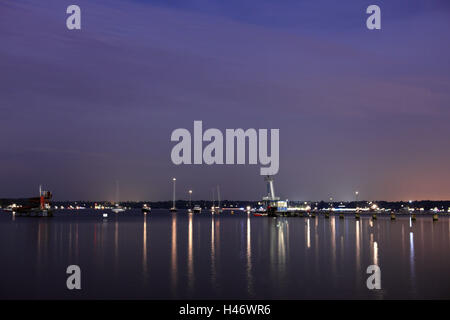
[
  {"x": 333, "y": 245},
  {"x": 375, "y": 253},
  {"x": 213, "y": 253},
  {"x": 412, "y": 259},
  {"x": 144, "y": 250},
  {"x": 282, "y": 232},
  {"x": 249, "y": 258},
  {"x": 358, "y": 253},
  {"x": 308, "y": 234},
  {"x": 190, "y": 256},
  {"x": 173, "y": 255}
]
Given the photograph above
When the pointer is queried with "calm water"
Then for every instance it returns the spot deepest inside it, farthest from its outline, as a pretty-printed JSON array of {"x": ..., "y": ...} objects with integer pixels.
[{"x": 164, "y": 255}]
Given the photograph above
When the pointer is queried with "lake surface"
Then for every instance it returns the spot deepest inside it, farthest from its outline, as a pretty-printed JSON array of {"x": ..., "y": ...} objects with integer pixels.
[{"x": 203, "y": 256}]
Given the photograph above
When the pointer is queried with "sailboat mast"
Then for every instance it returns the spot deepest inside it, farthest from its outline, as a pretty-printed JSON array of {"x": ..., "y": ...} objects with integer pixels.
[
  {"x": 218, "y": 195},
  {"x": 117, "y": 192},
  {"x": 173, "y": 199},
  {"x": 190, "y": 199}
]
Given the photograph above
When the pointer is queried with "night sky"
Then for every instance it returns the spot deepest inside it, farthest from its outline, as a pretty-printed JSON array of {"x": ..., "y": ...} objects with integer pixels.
[{"x": 357, "y": 109}]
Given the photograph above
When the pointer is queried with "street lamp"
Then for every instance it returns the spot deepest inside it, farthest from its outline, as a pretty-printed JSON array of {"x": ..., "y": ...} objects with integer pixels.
[
  {"x": 173, "y": 209},
  {"x": 190, "y": 198}
]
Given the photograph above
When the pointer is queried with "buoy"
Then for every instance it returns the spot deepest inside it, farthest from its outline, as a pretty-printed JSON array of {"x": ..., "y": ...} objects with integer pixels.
[
  {"x": 435, "y": 217},
  {"x": 374, "y": 216},
  {"x": 392, "y": 216},
  {"x": 413, "y": 217}
]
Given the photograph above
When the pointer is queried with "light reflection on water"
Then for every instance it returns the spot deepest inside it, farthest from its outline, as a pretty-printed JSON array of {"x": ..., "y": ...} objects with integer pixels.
[
  {"x": 249, "y": 259},
  {"x": 173, "y": 256},
  {"x": 213, "y": 254},
  {"x": 181, "y": 255},
  {"x": 190, "y": 256},
  {"x": 144, "y": 251}
]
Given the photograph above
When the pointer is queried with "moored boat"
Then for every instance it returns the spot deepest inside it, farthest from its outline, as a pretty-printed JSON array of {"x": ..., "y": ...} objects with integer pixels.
[
  {"x": 117, "y": 208},
  {"x": 259, "y": 214},
  {"x": 36, "y": 207}
]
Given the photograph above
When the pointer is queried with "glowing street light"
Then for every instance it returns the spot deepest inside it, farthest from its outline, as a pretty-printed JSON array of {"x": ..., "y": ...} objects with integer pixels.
[
  {"x": 190, "y": 198},
  {"x": 173, "y": 209}
]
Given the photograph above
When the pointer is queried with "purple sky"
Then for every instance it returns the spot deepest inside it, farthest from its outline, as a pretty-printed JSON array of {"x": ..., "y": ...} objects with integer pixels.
[{"x": 357, "y": 109}]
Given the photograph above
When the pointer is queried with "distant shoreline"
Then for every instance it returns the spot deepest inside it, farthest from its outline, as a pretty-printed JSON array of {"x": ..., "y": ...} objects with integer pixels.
[{"x": 393, "y": 205}]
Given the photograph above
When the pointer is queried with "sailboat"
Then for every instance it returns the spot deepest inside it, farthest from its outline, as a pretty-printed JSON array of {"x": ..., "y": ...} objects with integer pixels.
[
  {"x": 213, "y": 208},
  {"x": 173, "y": 209},
  {"x": 218, "y": 209},
  {"x": 117, "y": 208}
]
